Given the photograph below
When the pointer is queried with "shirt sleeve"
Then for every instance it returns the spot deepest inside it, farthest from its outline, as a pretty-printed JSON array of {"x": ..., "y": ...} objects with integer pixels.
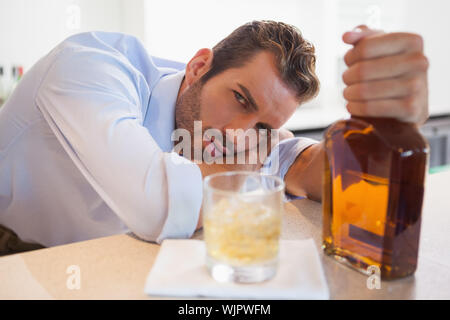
[
  {"x": 283, "y": 156},
  {"x": 93, "y": 103}
]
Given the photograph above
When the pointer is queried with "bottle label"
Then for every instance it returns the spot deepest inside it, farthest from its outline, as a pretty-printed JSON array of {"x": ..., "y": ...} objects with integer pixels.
[{"x": 365, "y": 236}]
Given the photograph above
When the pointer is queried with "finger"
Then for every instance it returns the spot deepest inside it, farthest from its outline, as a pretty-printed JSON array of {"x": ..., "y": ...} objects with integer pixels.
[
  {"x": 409, "y": 109},
  {"x": 385, "y": 67},
  {"x": 362, "y": 31},
  {"x": 384, "y": 89},
  {"x": 382, "y": 45},
  {"x": 285, "y": 134}
]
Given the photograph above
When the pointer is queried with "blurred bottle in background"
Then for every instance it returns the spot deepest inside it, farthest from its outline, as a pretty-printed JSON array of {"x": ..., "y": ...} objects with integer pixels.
[
  {"x": 7, "y": 86},
  {"x": 2, "y": 86},
  {"x": 16, "y": 75}
]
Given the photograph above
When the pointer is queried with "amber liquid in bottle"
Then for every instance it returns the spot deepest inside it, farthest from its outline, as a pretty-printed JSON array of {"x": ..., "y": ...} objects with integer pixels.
[{"x": 373, "y": 192}]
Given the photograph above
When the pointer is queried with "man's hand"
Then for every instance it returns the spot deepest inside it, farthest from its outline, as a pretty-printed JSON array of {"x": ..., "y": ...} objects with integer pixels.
[{"x": 387, "y": 75}]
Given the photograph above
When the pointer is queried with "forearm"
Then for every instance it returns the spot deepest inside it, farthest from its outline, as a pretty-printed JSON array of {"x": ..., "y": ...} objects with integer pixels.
[{"x": 304, "y": 177}]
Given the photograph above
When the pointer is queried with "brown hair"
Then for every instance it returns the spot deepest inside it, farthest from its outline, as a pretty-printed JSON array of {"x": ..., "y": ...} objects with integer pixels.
[{"x": 295, "y": 56}]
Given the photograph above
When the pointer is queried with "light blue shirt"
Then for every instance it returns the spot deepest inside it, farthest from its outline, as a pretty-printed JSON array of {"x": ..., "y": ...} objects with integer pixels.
[{"x": 86, "y": 150}]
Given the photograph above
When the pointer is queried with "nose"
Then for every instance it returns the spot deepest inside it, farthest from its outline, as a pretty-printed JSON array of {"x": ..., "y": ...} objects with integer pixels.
[{"x": 244, "y": 122}]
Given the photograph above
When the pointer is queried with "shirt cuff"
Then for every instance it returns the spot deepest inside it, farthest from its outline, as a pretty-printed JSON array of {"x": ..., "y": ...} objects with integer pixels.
[
  {"x": 185, "y": 195},
  {"x": 283, "y": 156}
]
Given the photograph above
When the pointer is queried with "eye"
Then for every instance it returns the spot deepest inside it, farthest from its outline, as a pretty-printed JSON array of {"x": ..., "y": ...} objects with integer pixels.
[{"x": 240, "y": 98}]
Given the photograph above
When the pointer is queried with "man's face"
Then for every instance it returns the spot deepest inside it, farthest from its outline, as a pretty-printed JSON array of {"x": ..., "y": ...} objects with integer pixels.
[{"x": 250, "y": 97}]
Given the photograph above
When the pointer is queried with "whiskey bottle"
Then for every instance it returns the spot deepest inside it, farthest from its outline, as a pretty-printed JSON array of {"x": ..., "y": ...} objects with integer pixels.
[{"x": 374, "y": 179}]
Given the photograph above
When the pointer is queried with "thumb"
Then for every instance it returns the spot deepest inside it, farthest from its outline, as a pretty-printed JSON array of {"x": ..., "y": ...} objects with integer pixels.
[
  {"x": 358, "y": 33},
  {"x": 285, "y": 134}
]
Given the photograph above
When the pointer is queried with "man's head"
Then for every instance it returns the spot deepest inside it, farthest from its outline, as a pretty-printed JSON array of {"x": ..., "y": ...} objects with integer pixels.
[{"x": 254, "y": 78}]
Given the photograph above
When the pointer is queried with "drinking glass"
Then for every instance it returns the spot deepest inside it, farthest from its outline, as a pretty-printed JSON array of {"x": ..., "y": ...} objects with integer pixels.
[{"x": 242, "y": 223}]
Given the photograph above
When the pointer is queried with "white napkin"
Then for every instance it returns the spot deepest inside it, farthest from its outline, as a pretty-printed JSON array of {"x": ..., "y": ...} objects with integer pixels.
[{"x": 180, "y": 270}]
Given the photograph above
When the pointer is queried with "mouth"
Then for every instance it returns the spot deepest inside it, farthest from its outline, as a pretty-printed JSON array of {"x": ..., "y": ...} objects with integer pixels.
[{"x": 215, "y": 147}]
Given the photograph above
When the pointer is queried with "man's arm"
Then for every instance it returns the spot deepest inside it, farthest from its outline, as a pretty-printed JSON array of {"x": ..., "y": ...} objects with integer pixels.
[
  {"x": 304, "y": 177},
  {"x": 386, "y": 77},
  {"x": 92, "y": 103}
]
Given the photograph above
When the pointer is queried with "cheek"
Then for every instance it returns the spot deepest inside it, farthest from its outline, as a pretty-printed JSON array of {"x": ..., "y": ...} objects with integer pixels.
[{"x": 216, "y": 111}]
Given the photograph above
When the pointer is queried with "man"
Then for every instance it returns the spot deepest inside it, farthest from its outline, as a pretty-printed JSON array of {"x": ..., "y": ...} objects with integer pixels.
[{"x": 85, "y": 140}]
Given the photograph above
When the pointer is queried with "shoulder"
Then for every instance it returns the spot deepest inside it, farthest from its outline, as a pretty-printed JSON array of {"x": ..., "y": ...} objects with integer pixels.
[
  {"x": 101, "y": 62},
  {"x": 100, "y": 49},
  {"x": 105, "y": 41}
]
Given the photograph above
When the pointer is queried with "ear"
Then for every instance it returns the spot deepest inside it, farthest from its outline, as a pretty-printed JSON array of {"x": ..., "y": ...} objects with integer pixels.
[{"x": 198, "y": 65}]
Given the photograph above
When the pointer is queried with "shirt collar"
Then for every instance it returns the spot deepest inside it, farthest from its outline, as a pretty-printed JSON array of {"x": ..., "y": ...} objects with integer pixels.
[{"x": 160, "y": 117}]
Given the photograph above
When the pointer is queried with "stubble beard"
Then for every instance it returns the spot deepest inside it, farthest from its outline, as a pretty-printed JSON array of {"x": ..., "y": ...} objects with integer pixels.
[{"x": 188, "y": 109}]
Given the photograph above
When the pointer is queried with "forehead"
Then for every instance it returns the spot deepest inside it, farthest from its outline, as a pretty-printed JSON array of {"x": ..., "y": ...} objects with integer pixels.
[{"x": 260, "y": 76}]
